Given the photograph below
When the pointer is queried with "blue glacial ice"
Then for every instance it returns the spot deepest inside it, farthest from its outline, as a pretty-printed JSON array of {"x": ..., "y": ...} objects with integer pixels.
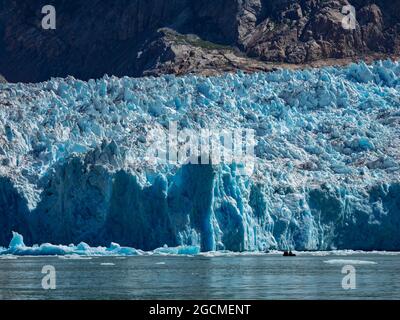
[
  {"x": 17, "y": 247},
  {"x": 73, "y": 164}
]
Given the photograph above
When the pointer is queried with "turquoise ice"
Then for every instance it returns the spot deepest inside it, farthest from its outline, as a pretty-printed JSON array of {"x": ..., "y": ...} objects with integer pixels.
[{"x": 73, "y": 164}]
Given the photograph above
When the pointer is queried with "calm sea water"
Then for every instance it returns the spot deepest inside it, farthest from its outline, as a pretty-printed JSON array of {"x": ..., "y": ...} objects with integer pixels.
[{"x": 202, "y": 277}]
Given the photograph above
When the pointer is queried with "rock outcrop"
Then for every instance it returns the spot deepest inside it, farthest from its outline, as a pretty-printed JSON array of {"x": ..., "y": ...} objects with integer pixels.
[{"x": 140, "y": 37}]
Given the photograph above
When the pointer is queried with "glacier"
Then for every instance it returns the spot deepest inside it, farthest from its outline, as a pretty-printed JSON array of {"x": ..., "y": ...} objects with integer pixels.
[{"x": 74, "y": 165}]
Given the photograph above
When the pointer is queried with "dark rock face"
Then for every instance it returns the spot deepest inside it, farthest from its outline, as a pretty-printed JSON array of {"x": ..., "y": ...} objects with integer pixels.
[
  {"x": 308, "y": 30},
  {"x": 123, "y": 37}
]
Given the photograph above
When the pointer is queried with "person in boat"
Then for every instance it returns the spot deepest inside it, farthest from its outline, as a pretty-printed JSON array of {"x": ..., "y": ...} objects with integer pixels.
[{"x": 289, "y": 254}]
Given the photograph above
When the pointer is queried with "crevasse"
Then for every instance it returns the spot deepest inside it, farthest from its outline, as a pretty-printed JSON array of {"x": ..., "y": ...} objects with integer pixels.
[{"x": 73, "y": 162}]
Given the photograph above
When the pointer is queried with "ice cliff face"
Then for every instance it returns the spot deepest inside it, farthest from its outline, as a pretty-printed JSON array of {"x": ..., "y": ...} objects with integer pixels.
[{"x": 73, "y": 164}]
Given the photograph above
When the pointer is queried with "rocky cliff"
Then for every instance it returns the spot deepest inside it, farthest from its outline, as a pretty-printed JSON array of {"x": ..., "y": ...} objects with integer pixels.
[{"x": 154, "y": 37}]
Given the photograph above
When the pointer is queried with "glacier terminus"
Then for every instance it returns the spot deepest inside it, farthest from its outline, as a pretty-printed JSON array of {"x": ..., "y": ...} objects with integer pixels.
[{"x": 73, "y": 164}]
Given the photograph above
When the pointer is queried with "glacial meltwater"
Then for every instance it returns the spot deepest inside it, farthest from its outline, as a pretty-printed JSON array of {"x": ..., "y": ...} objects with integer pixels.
[{"x": 205, "y": 276}]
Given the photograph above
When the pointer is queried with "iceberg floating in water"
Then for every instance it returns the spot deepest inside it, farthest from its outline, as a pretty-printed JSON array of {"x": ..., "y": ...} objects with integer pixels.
[
  {"x": 349, "y": 262},
  {"x": 17, "y": 247},
  {"x": 74, "y": 165}
]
